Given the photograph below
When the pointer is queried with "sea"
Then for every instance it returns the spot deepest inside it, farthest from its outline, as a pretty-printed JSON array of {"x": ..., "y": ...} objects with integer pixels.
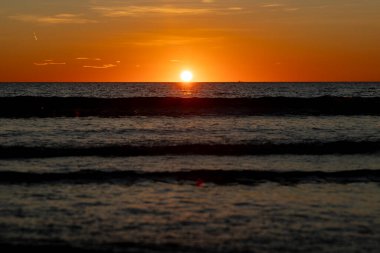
[{"x": 190, "y": 167}]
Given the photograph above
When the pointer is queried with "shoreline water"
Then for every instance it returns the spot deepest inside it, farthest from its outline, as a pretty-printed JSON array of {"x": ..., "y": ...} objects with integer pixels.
[{"x": 149, "y": 168}]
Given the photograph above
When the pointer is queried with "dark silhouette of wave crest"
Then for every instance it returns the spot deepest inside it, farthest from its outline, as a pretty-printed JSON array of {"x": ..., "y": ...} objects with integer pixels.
[
  {"x": 312, "y": 148},
  {"x": 25, "y": 106},
  {"x": 199, "y": 177}
]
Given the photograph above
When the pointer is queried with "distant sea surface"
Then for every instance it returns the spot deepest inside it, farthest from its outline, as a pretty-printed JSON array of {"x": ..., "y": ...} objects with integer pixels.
[
  {"x": 210, "y": 90},
  {"x": 199, "y": 167}
]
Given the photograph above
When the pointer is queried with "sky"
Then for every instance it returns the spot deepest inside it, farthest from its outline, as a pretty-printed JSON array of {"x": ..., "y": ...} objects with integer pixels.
[{"x": 218, "y": 40}]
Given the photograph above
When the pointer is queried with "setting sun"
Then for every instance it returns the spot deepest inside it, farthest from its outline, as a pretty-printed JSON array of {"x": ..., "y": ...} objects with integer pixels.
[{"x": 186, "y": 76}]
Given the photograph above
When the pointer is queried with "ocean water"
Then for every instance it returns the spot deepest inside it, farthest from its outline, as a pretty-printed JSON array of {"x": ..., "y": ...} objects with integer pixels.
[{"x": 203, "y": 167}]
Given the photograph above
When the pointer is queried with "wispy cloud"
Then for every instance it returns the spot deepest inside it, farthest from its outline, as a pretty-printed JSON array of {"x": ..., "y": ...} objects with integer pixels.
[
  {"x": 173, "y": 41},
  {"x": 88, "y": 59},
  {"x": 140, "y": 10},
  {"x": 104, "y": 66},
  {"x": 121, "y": 11},
  {"x": 235, "y": 8},
  {"x": 273, "y": 5},
  {"x": 48, "y": 62},
  {"x": 279, "y": 7},
  {"x": 63, "y": 18},
  {"x": 291, "y": 9}
]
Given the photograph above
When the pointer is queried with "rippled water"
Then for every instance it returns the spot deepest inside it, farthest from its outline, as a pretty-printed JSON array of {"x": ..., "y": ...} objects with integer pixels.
[
  {"x": 190, "y": 183},
  {"x": 183, "y": 218},
  {"x": 226, "y": 90},
  {"x": 95, "y": 131},
  {"x": 169, "y": 163}
]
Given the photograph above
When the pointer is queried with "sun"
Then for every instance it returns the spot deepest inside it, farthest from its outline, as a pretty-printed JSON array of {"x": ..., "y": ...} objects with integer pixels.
[{"x": 186, "y": 76}]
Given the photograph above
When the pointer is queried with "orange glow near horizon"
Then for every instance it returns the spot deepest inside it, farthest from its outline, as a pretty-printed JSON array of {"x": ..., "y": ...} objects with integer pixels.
[{"x": 137, "y": 41}]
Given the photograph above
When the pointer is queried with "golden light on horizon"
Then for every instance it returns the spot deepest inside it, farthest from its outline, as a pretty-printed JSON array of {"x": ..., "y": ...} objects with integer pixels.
[{"x": 186, "y": 76}]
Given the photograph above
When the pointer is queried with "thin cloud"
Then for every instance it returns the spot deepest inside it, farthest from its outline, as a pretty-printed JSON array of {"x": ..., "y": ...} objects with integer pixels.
[
  {"x": 104, "y": 66},
  {"x": 87, "y": 58},
  {"x": 163, "y": 42},
  {"x": 235, "y": 8},
  {"x": 275, "y": 6},
  {"x": 272, "y": 5},
  {"x": 140, "y": 10},
  {"x": 143, "y": 10},
  {"x": 291, "y": 9},
  {"x": 48, "y": 62},
  {"x": 173, "y": 41},
  {"x": 63, "y": 18}
]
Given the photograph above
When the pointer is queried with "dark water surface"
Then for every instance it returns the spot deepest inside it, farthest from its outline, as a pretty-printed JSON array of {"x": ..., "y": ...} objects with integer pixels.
[{"x": 226, "y": 167}]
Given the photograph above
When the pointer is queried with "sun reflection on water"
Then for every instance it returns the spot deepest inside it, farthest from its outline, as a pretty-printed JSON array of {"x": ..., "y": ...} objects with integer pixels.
[{"x": 186, "y": 88}]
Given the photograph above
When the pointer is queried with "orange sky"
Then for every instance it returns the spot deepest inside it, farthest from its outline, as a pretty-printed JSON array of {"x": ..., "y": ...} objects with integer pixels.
[{"x": 219, "y": 40}]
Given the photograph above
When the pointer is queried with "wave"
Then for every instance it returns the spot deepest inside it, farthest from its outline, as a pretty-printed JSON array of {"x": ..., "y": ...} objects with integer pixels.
[
  {"x": 313, "y": 148},
  {"x": 245, "y": 177},
  {"x": 61, "y": 246},
  {"x": 26, "y": 106}
]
